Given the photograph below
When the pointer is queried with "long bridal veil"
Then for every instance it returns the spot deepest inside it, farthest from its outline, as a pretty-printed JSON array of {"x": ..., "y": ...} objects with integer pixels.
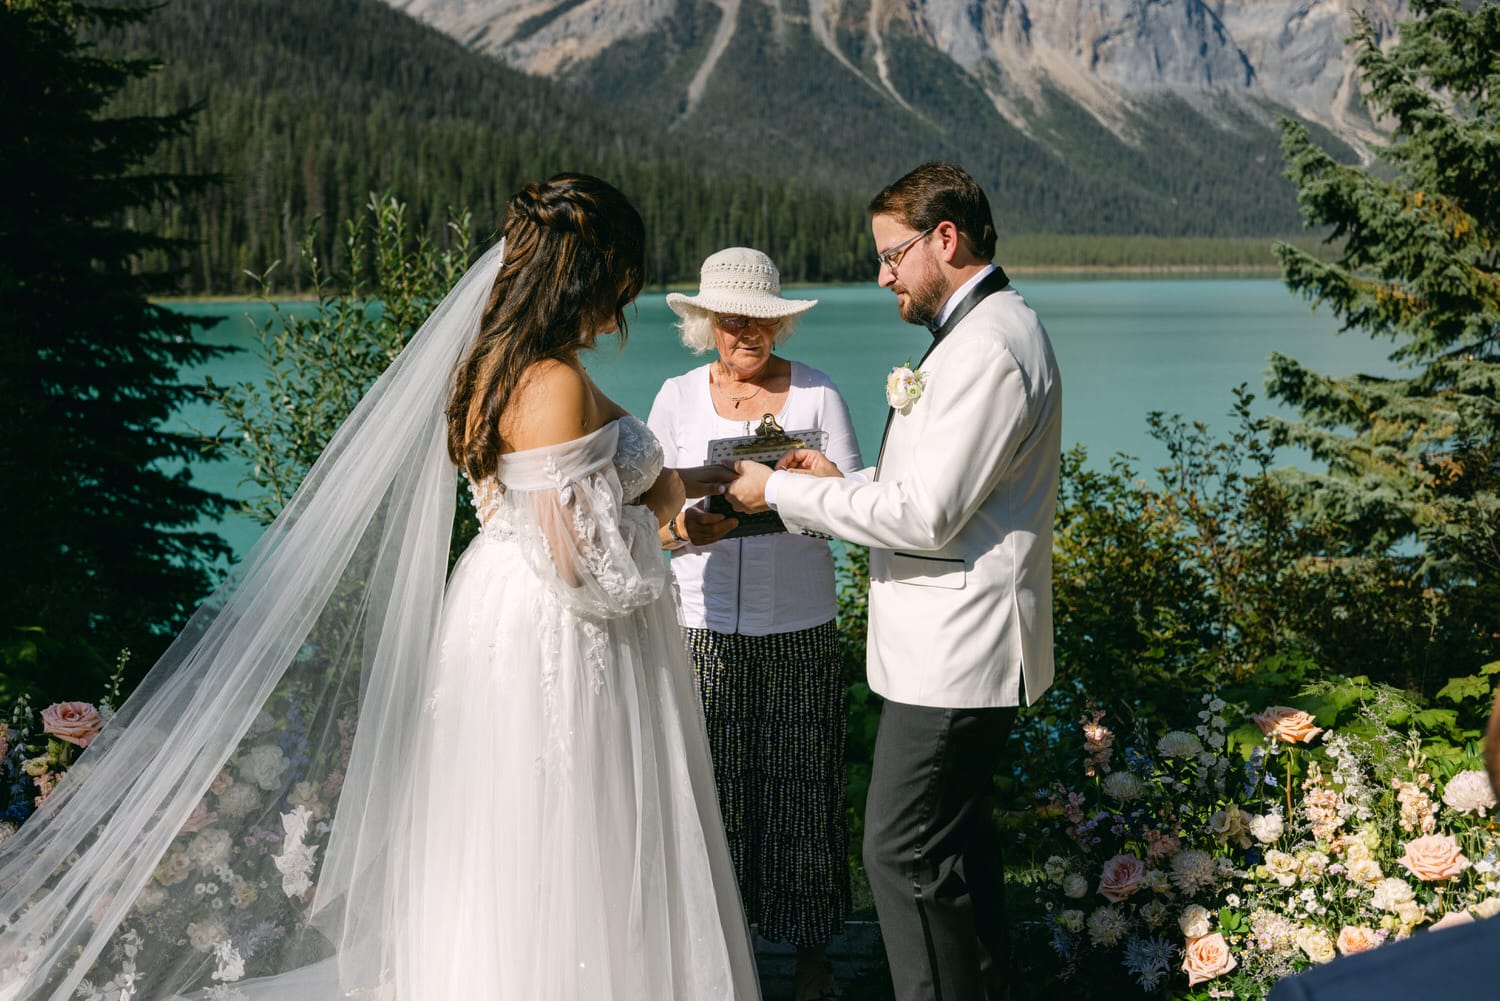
[{"x": 226, "y": 836}]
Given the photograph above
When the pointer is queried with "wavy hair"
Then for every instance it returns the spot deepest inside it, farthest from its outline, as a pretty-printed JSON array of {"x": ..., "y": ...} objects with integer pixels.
[
  {"x": 575, "y": 257},
  {"x": 941, "y": 192}
]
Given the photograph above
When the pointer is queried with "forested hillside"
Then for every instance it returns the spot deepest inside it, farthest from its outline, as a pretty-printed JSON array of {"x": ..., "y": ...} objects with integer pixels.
[{"x": 308, "y": 108}]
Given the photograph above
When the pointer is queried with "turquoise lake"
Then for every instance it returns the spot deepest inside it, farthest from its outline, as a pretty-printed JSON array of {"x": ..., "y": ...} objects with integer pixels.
[{"x": 1126, "y": 347}]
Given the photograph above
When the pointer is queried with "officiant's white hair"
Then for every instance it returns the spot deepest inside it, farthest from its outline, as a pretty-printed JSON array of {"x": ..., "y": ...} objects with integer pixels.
[{"x": 697, "y": 329}]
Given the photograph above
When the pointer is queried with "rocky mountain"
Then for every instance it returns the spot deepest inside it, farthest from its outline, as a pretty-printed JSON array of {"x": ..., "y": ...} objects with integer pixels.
[{"x": 1162, "y": 111}]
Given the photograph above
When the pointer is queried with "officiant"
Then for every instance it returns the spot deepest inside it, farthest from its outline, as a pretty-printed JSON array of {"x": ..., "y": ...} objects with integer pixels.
[{"x": 758, "y": 607}]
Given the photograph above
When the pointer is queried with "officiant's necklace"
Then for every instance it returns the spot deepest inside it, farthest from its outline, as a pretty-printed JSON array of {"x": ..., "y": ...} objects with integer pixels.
[{"x": 736, "y": 400}]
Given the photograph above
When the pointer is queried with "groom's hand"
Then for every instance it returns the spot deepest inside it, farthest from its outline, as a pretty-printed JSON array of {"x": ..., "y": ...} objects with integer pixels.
[
  {"x": 748, "y": 491},
  {"x": 807, "y": 460}
]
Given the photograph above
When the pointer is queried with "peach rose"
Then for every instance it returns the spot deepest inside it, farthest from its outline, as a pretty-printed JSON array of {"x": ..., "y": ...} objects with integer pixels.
[
  {"x": 1433, "y": 858},
  {"x": 1121, "y": 876},
  {"x": 1206, "y": 957},
  {"x": 1291, "y": 726},
  {"x": 1357, "y": 938},
  {"x": 76, "y": 722}
]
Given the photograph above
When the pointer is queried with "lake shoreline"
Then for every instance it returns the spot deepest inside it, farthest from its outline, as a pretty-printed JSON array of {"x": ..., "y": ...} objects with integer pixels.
[{"x": 1127, "y": 272}]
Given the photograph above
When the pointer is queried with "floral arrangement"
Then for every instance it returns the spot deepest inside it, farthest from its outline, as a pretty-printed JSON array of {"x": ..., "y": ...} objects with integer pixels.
[
  {"x": 241, "y": 871},
  {"x": 903, "y": 387},
  {"x": 31, "y": 764},
  {"x": 1197, "y": 870}
]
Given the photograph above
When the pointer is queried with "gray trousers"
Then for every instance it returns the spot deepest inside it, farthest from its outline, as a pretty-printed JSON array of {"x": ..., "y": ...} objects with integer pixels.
[{"x": 932, "y": 854}]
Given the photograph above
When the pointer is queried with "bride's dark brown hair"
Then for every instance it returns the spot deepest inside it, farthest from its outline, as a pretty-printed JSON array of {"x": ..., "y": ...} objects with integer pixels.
[{"x": 575, "y": 257}]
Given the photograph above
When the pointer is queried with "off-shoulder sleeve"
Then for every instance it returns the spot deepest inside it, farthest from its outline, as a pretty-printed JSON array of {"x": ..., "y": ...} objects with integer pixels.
[{"x": 597, "y": 554}]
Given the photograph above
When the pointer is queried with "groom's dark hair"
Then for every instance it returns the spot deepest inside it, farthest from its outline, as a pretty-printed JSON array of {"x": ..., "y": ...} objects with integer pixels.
[{"x": 941, "y": 192}]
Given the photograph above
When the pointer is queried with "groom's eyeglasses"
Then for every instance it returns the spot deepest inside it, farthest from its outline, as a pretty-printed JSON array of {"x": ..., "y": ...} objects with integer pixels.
[
  {"x": 891, "y": 257},
  {"x": 737, "y": 324}
]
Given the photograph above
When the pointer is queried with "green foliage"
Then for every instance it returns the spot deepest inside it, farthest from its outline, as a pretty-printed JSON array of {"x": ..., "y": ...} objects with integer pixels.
[
  {"x": 1413, "y": 462},
  {"x": 852, "y": 580},
  {"x": 322, "y": 357},
  {"x": 104, "y": 539},
  {"x": 1205, "y": 578},
  {"x": 308, "y": 107}
]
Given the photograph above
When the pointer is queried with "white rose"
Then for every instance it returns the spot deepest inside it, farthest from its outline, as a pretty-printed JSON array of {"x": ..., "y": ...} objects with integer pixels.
[
  {"x": 1365, "y": 870},
  {"x": 902, "y": 387},
  {"x": 1267, "y": 828},
  {"x": 1071, "y": 920},
  {"x": 1311, "y": 865},
  {"x": 1153, "y": 912},
  {"x": 204, "y": 935},
  {"x": 264, "y": 766},
  {"x": 1410, "y": 913},
  {"x": 1391, "y": 894},
  {"x": 1316, "y": 944},
  {"x": 174, "y": 868},
  {"x": 1281, "y": 867},
  {"x": 210, "y": 849},
  {"x": 1193, "y": 921},
  {"x": 1075, "y": 886}
]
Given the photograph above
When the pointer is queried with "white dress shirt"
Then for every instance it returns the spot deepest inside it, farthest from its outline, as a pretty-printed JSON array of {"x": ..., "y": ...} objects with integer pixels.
[{"x": 762, "y": 584}]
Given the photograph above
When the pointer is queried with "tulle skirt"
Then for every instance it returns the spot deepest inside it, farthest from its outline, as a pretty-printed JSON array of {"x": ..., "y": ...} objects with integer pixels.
[{"x": 564, "y": 839}]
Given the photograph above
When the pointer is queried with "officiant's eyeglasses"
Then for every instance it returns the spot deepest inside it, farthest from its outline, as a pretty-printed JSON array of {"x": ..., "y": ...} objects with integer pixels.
[
  {"x": 736, "y": 324},
  {"x": 891, "y": 257}
]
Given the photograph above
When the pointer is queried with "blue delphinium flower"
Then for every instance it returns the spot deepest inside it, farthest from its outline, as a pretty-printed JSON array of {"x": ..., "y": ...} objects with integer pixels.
[{"x": 1148, "y": 959}]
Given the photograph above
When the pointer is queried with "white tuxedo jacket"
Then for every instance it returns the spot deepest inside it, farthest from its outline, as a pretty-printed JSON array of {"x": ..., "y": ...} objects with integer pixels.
[{"x": 958, "y": 518}]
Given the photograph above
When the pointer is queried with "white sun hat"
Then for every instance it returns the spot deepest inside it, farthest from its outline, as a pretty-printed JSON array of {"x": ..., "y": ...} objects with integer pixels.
[{"x": 739, "y": 281}]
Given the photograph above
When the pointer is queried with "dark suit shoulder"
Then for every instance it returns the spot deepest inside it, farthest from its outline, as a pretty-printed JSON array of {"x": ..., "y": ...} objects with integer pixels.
[{"x": 1452, "y": 964}]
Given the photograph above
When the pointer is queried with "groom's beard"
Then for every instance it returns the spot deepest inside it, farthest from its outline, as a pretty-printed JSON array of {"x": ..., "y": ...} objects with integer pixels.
[{"x": 923, "y": 300}]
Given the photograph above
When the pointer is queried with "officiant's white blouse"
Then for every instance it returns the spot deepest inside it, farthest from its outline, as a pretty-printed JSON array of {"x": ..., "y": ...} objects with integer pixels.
[{"x": 763, "y": 584}]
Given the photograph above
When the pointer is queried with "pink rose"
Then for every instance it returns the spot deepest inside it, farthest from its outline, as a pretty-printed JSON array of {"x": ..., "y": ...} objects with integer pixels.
[
  {"x": 1122, "y": 876},
  {"x": 200, "y": 818},
  {"x": 1206, "y": 957},
  {"x": 76, "y": 722},
  {"x": 1292, "y": 726},
  {"x": 1434, "y": 857}
]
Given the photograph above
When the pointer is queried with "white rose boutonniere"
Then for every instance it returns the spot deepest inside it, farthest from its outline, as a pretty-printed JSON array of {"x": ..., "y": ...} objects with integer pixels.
[{"x": 903, "y": 387}]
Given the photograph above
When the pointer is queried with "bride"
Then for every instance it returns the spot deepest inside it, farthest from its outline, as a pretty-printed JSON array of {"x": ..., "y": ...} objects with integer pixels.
[{"x": 340, "y": 781}]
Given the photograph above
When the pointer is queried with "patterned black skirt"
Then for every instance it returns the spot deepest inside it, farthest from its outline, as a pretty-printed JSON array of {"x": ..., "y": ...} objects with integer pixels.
[{"x": 777, "y": 717}]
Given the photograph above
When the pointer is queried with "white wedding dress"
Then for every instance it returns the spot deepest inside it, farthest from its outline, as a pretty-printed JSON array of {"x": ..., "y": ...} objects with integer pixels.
[
  {"x": 353, "y": 777},
  {"x": 565, "y": 840}
]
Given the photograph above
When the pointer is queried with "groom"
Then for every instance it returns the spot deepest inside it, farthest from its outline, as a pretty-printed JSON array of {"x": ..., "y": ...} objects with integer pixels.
[{"x": 958, "y": 517}]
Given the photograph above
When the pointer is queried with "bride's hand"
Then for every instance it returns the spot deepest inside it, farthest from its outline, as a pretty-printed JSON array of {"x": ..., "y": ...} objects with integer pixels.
[{"x": 705, "y": 481}]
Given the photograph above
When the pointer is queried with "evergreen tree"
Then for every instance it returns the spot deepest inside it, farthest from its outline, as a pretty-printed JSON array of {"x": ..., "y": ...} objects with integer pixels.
[
  {"x": 97, "y": 508},
  {"x": 1414, "y": 459}
]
